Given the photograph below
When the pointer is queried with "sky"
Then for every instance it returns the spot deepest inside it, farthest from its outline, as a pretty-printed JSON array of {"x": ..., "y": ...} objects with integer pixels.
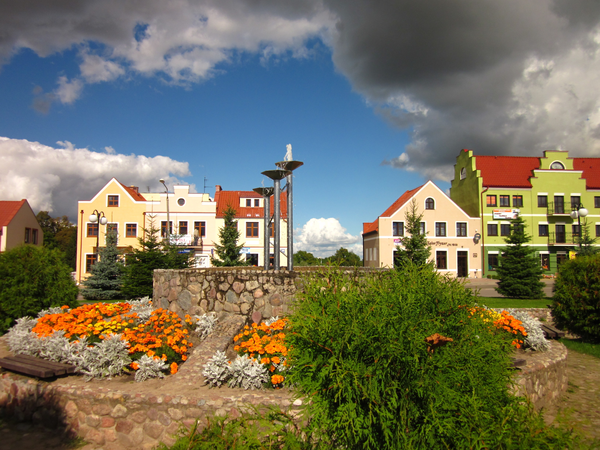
[{"x": 375, "y": 97}]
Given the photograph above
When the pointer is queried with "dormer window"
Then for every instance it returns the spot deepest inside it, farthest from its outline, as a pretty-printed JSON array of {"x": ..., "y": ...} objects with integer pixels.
[
  {"x": 557, "y": 165},
  {"x": 430, "y": 203}
]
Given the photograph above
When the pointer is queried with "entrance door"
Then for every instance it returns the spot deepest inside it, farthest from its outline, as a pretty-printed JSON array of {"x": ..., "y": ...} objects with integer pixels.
[
  {"x": 462, "y": 264},
  {"x": 561, "y": 235}
]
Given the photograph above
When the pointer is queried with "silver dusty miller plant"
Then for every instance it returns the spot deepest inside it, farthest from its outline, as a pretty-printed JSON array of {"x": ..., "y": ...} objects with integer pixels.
[
  {"x": 205, "y": 324},
  {"x": 216, "y": 370},
  {"x": 247, "y": 373},
  {"x": 142, "y": 307},
  {"x": 535, "y": 338},
  {"x": 150, "y": 368}
]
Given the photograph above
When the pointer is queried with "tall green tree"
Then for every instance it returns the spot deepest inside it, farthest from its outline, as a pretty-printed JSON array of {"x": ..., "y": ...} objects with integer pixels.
[
  {"x": 519, "y": 269},
  {"x": 344, "y": 258},
  {"x": 413, "y": 248},
  {"x": 303, "y": 258},
  {"x": 61, "y": 234},
  {"x": 33, "y": 278},
  {"x": 105, "y": 281},
  {"x": 228, "y": 251},
  {"x": 152, "y": 254},
  {"x": 586, "y": 242}
]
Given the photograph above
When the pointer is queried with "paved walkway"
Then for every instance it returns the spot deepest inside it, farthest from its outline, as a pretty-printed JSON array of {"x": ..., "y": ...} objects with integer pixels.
[{"x": 487, "y": 286}]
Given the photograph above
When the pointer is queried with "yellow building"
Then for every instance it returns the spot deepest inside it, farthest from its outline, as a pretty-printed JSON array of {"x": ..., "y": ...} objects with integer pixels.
[{"x": 452, "y": 234}]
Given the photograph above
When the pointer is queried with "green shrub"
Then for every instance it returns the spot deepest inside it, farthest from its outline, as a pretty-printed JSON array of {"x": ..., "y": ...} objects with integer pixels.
[
  {"x": 359, "y": 354},
  {"x": 31, "y": 279},
  {"x": 576, "y": 302}
]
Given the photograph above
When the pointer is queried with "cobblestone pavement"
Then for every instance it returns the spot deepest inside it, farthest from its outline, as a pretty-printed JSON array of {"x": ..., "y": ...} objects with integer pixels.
[{"x": 579, "y": 407}]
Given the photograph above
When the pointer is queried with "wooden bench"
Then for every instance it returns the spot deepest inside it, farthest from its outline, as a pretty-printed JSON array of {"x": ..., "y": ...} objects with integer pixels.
[
  {"x": 551, "y": 332},
  {"x": 37, "y": 367}
]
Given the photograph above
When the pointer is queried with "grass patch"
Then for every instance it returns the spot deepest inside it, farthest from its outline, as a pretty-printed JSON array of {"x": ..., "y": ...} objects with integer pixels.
[
  {"x": 577, "y": 345},
  {"x": 501, "y": 302}
]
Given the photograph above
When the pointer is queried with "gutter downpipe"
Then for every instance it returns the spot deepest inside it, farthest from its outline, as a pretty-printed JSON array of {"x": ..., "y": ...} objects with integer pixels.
[
  {"x": 80, "y": 265},
  {"x": 483, "y": 272}
]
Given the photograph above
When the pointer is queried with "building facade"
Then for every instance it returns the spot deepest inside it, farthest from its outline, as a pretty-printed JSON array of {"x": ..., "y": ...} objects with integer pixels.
[
  {"x": 451, "y": 233},
  {"x": 542, "y": 190},
  {"x": 193, "y": 221},
  {"x": 18, "y": 225}
]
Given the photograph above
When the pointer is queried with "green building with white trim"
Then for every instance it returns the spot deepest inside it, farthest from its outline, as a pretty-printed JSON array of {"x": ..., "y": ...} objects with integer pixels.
[{"x": 544, "y": 191}]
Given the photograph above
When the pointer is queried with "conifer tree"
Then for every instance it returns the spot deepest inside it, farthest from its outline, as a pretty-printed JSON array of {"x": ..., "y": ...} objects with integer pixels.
[
  {"x": 104, "y": 283},
  {"x": 414, "y": 247},
  {"x": 228, "y": 252},
  {"x": 519, "y": 269},
  {"x": 586, "y": 242},
  {"x": 138, "y": 279}
]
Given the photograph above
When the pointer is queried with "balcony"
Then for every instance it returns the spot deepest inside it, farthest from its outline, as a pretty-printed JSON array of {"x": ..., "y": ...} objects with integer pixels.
[
  {"x": 559, "y": 208},
  {"x": 562, "y": 238}
]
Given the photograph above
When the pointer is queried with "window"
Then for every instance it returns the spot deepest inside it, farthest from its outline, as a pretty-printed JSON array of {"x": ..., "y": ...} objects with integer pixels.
[
  {"x": 248, "y": 202},
  {"x": 34, "y": 236},
  {"x": 112, "y": 227},
  {"x": 575, "y": 201},
  {"x": 491, "y": 201},
  {"x": 560, "y": 258},
  {"x": 597, "y": 230},
  {"x": 183, "y": 227},
  {"x": 441, "y": 259},
  {"x": 272, "y": 229},
  {"x": 542, "y": 201},
  {"x": 463, "y": 173},
  {"x": 252, "y": 229},
  {"x": 90, "y": 260},
  {"x": 422, "y": 228},
  {"x": 492, "y": 229},
  {"x": 200, "y": 227},
  {"x": 257, "y": 202},
  {"x": 181, "y": 201},
  {"x": 440, "y": 228},
  {"x": 517, "y": 201},
  {"x": 543, "y": 229},
  {"x": 505, "y": 229},
  {"x": 559, "y": 204},
  {"x": 545, "y": 261},
  {"x": 597, "y": 202},
  {"x": 505, "y": 200},
  {"x": 163, "y": 228},
  {"x": 430, "y": 203},
  {"x": 252, "y": 259},
  {"x": 398, "y": 228},
  {"x": 556, "y": 165},
  {"x": 92, "y": 229},
  {"x": 113, "y": 200},
  {"x": 576, "y": 230},
  {"x": 461, "y": 229},
  {"x": 131, "y": 230},
  {"x": 492, "y": 261},
  {"x": 27, "y": 235}
]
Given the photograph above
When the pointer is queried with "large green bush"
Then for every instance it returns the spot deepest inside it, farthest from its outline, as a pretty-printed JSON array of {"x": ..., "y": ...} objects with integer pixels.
[
  {"x": 576, "y": 301},
  {"x": 31, "y": 279},
  {"x": 359, "y": 355}
]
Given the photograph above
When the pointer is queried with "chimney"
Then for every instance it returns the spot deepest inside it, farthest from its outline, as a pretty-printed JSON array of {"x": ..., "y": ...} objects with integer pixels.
[
  {"x": 218, "y": 188},
  {"x": 135, "y": 188}
]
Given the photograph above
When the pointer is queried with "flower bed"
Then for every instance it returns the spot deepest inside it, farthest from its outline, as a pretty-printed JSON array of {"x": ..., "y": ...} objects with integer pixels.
[{"x": 104, "y": 340}]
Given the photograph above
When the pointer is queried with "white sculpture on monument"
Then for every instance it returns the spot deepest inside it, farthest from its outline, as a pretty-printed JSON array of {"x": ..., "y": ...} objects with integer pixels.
[{"x": 288, "y": 153}]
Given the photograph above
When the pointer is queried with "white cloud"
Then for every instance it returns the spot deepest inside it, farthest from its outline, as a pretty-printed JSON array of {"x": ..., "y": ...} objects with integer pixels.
[
  {"x": 68, "y": 91},
  {"x": 54, "y": 179},
  {"x": 323, "y": 237},
  {"x": 96, "y": 69}
]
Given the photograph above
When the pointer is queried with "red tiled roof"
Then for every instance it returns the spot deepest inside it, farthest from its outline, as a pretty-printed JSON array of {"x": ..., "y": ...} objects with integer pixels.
[
  {"x": 133, "y": 192},
  {"x": 226, "y": 198},
  {"x": 8, "y": 209},
  {"x": 400, "y": 202},
  {"x": 591, "y": 171},
  {"x": 509, "y": 171},
  {"x": 370, "y": 227}
]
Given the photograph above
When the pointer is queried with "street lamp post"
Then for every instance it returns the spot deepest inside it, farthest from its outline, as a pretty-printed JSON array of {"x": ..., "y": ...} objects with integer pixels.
[
  {"x": 578, "y": 212},
  {"x": 100, "y": 218},
  {"x": 290, "y": 166},
  {"x": 276, "y": 176},
  {"x": 266, "y": 193},
  {"x": 168, "y": 218}
]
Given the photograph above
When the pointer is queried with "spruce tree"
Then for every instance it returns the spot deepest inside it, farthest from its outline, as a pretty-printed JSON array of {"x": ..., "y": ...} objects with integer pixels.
[
  {"x": 138, "y": 280},
  {"x": 104, "y": 283},
  {"x": 414, "y": 247},
  {"x": 586, "y": 242},
  {"x": 228, "y": 252},
  {"x": 519, "y": 268}
]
